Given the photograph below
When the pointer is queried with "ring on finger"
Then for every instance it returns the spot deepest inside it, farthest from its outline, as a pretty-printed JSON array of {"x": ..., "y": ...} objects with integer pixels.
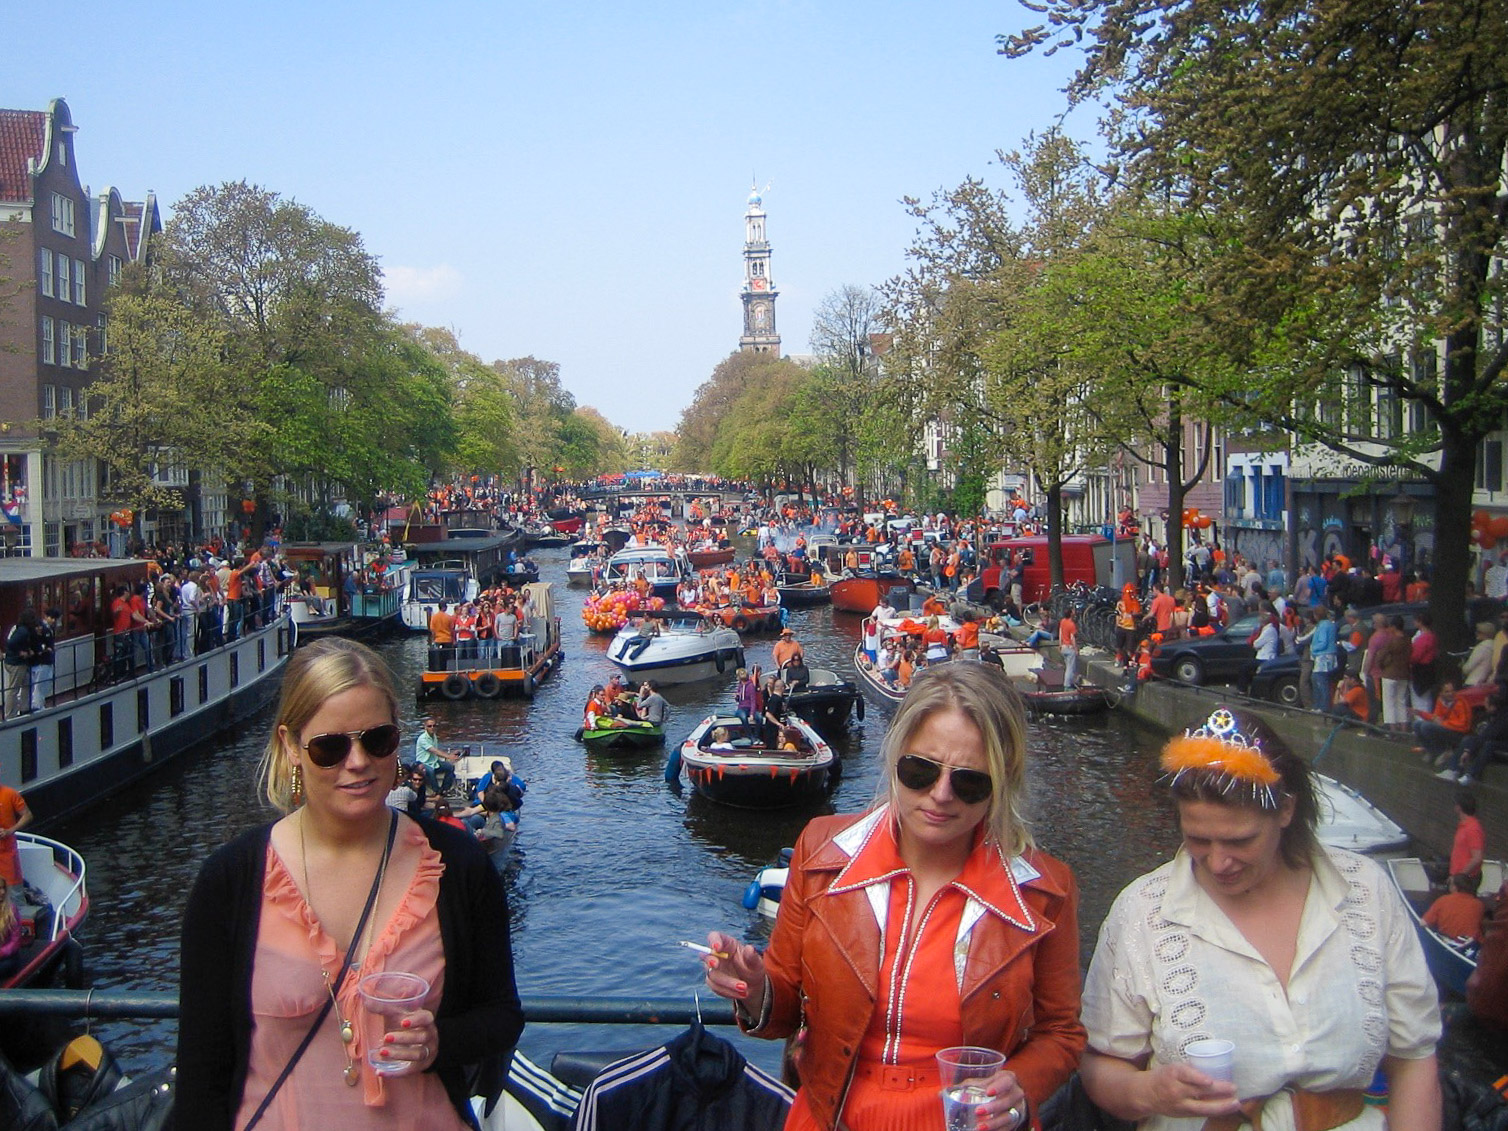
[
  {"x": 1015, "y": 1116},
  {"x": 424, "y": 1055}
]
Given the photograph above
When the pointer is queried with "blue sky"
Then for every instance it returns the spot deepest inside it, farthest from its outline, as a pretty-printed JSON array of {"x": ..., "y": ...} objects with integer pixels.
[{"x": 561, "y": 179}]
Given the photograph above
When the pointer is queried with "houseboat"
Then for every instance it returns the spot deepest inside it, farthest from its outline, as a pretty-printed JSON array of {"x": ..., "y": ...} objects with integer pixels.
[
  {"x": 426, "y": 588},
  {"x": 484, "y": 555},
  {"x": 104, "y": 720},
  {"x": 344, "y": 588}
]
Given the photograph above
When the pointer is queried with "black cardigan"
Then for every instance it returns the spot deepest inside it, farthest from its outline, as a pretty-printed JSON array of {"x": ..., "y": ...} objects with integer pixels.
[{"x": 479, "y": 1019}]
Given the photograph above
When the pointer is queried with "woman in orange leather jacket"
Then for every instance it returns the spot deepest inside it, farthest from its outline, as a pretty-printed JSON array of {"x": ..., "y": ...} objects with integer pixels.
[{"x": 929, "y": 921}]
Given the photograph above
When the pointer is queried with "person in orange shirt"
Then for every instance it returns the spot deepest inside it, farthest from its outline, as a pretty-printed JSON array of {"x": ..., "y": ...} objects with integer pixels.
[
  {"x": 1351, "y": 701},
  {"x": 966, "y": 640},
  {"x": 933, "y": 606},
  {"x": 1068, "y": 645},
  {"x": 788, "y": 649},
  {"x": 1458, "y": 913},
  {"x": 1440, "y": 731}
]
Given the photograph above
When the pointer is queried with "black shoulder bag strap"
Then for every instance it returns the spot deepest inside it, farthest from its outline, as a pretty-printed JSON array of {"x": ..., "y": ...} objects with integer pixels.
[{"x": 340, "y": 978}]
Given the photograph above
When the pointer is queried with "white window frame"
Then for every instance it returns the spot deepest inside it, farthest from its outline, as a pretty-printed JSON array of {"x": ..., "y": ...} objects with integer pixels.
[
  {"x": 113, "y": 266},
  {"x": 65, "y": 400},
  {"x": 101, "y": 323},
  {"x": 44, "y": 277},
  {"x": 62, "y": 214},
  {"x": 64, "y": 277},
  {"x": 49, "y": 401},
  {"x": 78, "y": 282},
  {"x": 49, "y": 353},
  {"x": 81, "y": 347},
  {"x": 65, "y": 344}
]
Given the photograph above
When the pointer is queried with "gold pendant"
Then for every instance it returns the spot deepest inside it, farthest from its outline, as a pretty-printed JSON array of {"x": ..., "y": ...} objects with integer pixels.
[
  {"x": 353, "y": 1075},
  {"x": 347, "y": 1034}
]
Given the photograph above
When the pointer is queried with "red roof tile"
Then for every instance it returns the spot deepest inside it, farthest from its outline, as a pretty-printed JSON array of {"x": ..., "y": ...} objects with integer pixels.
[{"x": 23, "y": 134}]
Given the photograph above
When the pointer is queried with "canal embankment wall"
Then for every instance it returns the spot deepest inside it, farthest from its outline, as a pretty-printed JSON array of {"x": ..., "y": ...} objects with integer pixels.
[{"x": 1382, "y": 767}]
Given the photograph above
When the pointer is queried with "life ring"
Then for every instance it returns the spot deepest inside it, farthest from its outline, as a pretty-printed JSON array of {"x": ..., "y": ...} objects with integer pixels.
[
  {"x": 456, "y": 686},
  {"x": 740, "y": 624},
  {"x": 487, "y": 685},
  {"x": 528, "y": 686}
]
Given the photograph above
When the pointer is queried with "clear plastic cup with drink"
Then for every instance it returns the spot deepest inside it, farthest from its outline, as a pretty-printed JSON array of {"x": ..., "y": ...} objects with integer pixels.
[
  {"x": 389, "y": 996},
  {"x": 964, "y": 1071}
]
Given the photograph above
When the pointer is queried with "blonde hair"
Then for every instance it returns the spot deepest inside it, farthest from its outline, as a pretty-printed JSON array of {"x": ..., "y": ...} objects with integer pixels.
[
  {"x": 7, "y": 909},
  {"x": 317, "y": 672},
  {"x": 986, "y": 697}
]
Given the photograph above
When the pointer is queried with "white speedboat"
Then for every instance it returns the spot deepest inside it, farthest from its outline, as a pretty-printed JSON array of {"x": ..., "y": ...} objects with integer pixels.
[
  {"x": 1348, "y": 820},
  {"x": 52, "y": 905},
  {"x": 662, "y": 568},
  {"x": 676, "y": 649}
]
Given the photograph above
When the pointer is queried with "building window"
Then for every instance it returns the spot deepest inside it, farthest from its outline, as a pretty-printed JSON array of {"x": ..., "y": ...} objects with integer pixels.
[
  {"x": 62, "y": 151},
  {"x": 86, "y": 530},
  {"x": 78, "y": 281},
  {"x": 1275, "y": 492},
  {"x": 62, "y": 214},
  {"x": 113, "y": 266},
  {"x": 44, "y": 279},
  {"x": 49, "y": 401},
  {"x": 63, "y": 277},
  {"x": 81, "y": 347},
  {"x": 49, "y": 353},
  {"x": 52, "y": 539},
  {"x": 104, "y": 337},
  {"x": 65, "y": 343},
  {"x": 1490, "y": 466},
  {"x": 65, "y": 401}
]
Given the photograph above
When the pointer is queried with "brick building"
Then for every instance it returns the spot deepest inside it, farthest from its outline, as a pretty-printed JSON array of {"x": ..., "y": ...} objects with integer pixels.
[{"x": 60, "y": 250}]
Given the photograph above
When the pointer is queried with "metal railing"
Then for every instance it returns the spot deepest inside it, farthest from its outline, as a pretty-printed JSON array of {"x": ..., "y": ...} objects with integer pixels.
[
  {"x": 540, "y": 1009},
  {"x": 72, "y": 863}
]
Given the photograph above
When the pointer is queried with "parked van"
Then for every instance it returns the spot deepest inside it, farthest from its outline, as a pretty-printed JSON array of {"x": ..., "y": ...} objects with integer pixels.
[{"x": 1086, "y": 558}]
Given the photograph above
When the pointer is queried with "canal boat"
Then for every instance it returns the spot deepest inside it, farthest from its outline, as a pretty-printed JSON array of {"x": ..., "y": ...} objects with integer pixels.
[
  {"x": 450, "y": 582},
  {"x": 1348, "y": 820},
  {"x": 1045, "y": 694},
  {"x": 486, "y": 670},
  {"x": 358, "y": 590},
  {"x": 621, "y": 734},
  {"x": 679, "y": 647},
  {"x": 52, "y": 905},
  {"x": 516, "y": 574},
  {"x": 768, "y": 885},
  {"x": 826, "y": 700},
  {"x": 710, "y": 557},
  {"x": 484, "y": 554},
  {"x": 861, "y": 592},
  {"x": 1451, "y": 961},
  {"x": 798, "y": 591},
  {"x": 584, "y": 562},
  {"x": 105, "y": 723},
  {"x": 1017, "y": 660},
  {"x": 744, "y": 618},
  {"x": 750, "y": 775},
  {"x": 655, "y": 564}
]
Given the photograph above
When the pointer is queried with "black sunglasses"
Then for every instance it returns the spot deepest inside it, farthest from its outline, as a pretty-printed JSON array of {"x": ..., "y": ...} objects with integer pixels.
[
  {"x": 326, "y": 750},
  {"x": 921, "y": 774}
]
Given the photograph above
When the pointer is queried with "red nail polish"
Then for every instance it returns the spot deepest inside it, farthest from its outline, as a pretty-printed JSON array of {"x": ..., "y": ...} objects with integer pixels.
[
  {"x": 407, "y": 1024},
  {"x": 384, "y": 1054},
  {"x": 741, "y": 987},
  {"x": 387, "y": 1038}
]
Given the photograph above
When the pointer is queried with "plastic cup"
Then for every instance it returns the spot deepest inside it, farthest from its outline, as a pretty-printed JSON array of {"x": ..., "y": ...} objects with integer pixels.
[
  {"x": 388, "y": 996},
  {"x": 1215, "y": 1058},
  {"x": 963, "y": 1071}
]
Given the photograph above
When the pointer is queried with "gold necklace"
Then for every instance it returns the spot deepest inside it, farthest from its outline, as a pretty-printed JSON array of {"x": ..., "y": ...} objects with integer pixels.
[{"x": 352, "y": 1073}]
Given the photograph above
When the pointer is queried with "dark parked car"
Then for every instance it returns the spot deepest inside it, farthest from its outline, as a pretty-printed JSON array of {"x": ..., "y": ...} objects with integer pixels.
[
  {"x": 1278, "y": 679},
  {"x": 1225, "y": 657}
]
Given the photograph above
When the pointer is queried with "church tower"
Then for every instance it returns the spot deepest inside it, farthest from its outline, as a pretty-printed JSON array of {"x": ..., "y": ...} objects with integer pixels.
[{"x": 759, "y": 290}]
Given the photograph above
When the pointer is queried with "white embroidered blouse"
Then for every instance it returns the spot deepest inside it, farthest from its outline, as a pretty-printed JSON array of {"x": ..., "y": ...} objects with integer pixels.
[{"x": 1171, "y": 968}]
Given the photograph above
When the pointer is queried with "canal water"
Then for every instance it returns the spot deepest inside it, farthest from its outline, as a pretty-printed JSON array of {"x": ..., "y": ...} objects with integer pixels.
[{"x": 611, "y": 865}]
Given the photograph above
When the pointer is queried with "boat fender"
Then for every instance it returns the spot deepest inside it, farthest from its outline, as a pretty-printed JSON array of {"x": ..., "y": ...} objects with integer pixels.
[
  {"x": 751, "y": 895},
  {"x": 721, "y": 661},
  {"x": 739, "y": 659},
  {"x": 528, "y": 686},
  {"x": 579, "y": 732},
  {"x": 487, "y": 685},
  {"x": 740, "y": 624},
  {"x": 673, "y": 766},
  {"x": 858, "y": 706},
  {"x": 456, "y": 686},
  {"x": 785, "y": 617}
]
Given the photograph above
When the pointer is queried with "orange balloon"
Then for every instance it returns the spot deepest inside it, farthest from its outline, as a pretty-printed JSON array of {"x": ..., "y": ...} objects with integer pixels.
[
  {"x": 1498, "y": 526},
  {"x": 1480, "y": 518},
  {"x": 1204, "y": 522},
  {"x": 1487, "y": 542}
]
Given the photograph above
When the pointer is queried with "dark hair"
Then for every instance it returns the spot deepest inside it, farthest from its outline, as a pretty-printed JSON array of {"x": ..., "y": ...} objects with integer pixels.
[
  {"x": 1466, "y": 801},
  {"x": 1467, "y": 882},
  {"x": 1298, "y": 843}
]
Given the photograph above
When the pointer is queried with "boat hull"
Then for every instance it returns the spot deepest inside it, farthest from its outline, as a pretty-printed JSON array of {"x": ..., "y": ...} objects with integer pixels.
[
  {"x": 706, "y": 559},
  {"x": 827, "y": 703},
  {"x": 623, "y": 738},
  {"x": 676, "y": 657},
  {"x": 757, "y": 787},
  {"x": 747, "y": 776},
  {"x": 1075, "y": 701},
  {"x": 861, "y": 594},
  {"x": 804, "y": 596}
]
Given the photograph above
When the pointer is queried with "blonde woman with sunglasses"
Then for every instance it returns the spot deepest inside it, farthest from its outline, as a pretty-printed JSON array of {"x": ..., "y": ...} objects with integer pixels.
[
  {"x": 286, "y": 922},
  {"x": 929, "y": 921}
]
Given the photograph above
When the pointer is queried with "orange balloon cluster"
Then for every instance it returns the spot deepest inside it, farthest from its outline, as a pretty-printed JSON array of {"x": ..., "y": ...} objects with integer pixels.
[
  {"x": 123, "y": 517},
  {"x": 1488, "y": 529},
  {"x": 1192, "y": 517},
  {"x": 610, "y": 611}
]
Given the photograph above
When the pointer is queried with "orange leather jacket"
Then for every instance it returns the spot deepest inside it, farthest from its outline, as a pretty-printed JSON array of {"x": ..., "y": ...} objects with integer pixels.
[{"x": 1020, "y": 987}]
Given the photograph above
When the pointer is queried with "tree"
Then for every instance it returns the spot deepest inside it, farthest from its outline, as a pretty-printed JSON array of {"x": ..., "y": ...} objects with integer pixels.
[
  {"x": 164, "y": 398},
  {"x": 1355, "y": 153},
  {"x": 486, "y": 423}
]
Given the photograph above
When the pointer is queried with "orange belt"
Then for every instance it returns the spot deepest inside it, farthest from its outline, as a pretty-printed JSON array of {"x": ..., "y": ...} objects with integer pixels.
[
  {"x": 1312, "y": 1111},
  {"x": 900, "y": 1077}
]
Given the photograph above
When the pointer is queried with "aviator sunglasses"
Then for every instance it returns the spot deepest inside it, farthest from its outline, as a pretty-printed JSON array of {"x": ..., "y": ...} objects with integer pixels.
[
  {"x": 326, "y": 750},
  {"x": 921, "y": 774}
]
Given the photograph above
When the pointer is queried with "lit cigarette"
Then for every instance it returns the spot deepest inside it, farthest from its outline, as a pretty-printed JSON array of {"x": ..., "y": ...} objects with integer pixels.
[{"x": 700, "y": 949}]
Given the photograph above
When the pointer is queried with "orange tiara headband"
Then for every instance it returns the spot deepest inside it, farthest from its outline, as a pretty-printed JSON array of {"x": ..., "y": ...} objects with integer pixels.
[{"x": 1219, "y": 751}]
